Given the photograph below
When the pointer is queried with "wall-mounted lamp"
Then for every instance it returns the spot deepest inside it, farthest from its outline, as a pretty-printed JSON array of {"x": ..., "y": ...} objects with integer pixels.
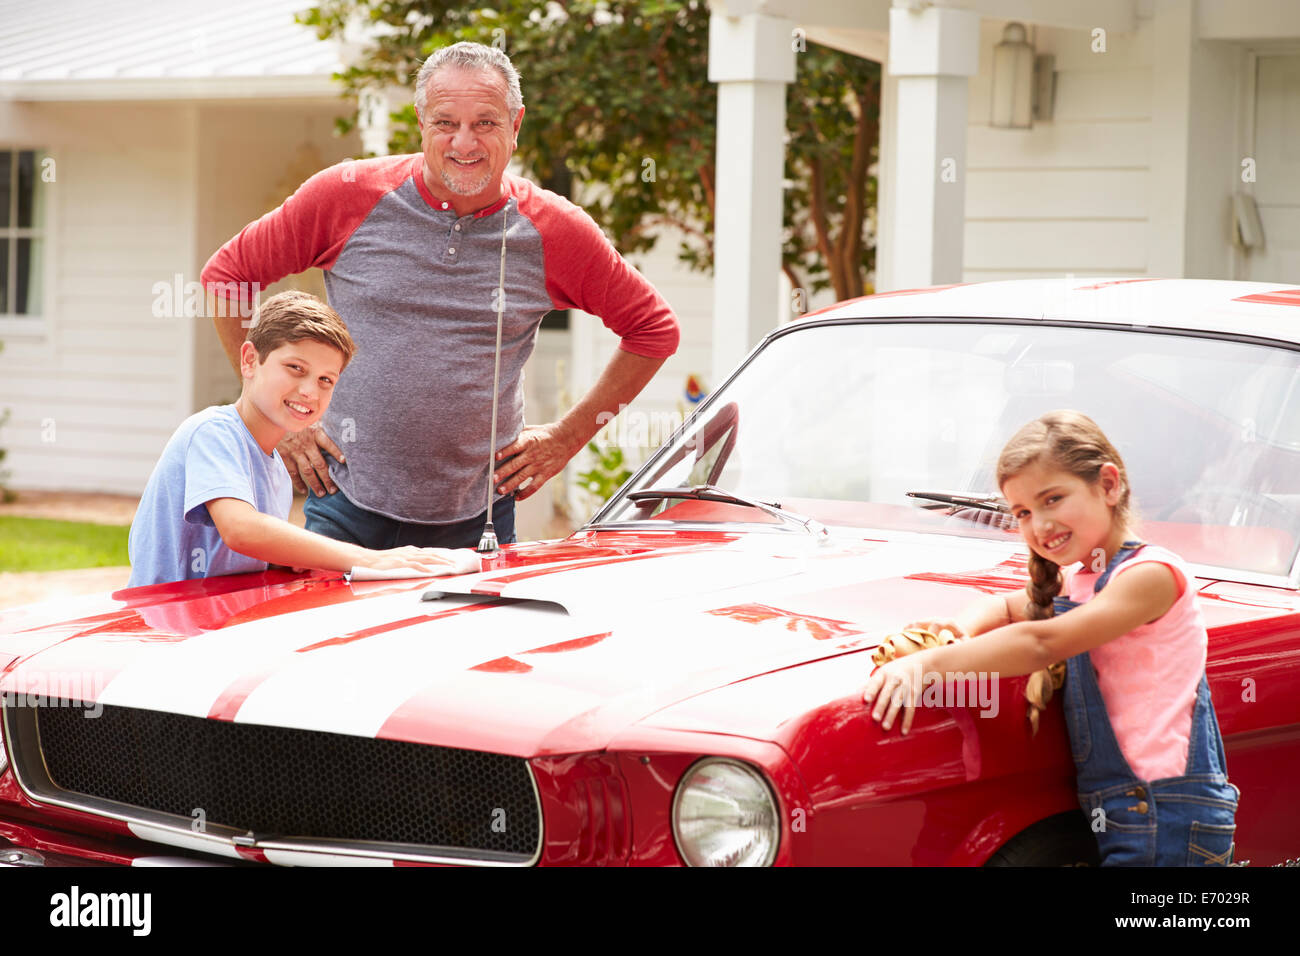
[{"x": 1023, "y": 85}]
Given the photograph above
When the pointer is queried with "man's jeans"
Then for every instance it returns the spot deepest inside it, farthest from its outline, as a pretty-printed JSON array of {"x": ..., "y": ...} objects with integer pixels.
[{"x": 336, "y": 517}]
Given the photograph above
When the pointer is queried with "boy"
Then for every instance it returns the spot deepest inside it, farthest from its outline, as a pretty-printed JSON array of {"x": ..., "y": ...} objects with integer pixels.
[{"x": 219, "y": 498}]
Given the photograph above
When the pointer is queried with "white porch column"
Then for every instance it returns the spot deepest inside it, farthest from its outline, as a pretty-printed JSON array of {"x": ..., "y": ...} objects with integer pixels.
[
  {"x": 372, "y": 122},
  {"x": 932, "y": 51},
  {"x": 751, "y": 58},
  {"x": 373, "y": 102}
]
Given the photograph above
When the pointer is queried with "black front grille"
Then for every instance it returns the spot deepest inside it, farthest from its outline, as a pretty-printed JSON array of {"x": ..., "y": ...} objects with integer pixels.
[{"x": 285, "y": 783}]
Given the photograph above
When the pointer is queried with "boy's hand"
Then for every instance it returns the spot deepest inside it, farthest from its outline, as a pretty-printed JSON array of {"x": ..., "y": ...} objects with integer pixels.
[
  {"x": 894, "y": 686},
  {"x": 306, "y": 465},
  {"x": 436, "y": 560}
]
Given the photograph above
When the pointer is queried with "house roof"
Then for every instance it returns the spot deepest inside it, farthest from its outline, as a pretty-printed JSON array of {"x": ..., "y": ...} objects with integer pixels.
[
  {"x": 1261, "y": 309},
  {"x": 161, "y": 49}
]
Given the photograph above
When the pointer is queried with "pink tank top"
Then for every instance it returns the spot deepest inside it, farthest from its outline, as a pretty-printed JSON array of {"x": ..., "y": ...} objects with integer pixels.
[{"x": 1148, "y": 677}]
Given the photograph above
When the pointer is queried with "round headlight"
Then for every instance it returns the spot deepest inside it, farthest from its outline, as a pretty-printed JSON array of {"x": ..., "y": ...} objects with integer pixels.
[{"x": 724, "y": 814}]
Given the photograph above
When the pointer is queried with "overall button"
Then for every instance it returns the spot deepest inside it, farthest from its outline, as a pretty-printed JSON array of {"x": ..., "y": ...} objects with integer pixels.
[{"x": 1142, "y": 806}]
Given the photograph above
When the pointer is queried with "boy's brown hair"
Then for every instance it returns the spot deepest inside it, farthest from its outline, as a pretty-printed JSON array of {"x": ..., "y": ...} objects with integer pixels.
[{"x": 293, "y": 316}]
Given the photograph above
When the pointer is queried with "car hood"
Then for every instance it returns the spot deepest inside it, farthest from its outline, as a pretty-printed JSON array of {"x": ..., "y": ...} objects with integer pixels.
[{"x": 555, "y": 649}]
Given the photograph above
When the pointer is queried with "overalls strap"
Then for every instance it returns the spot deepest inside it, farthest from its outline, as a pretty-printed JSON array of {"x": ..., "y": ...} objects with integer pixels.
[
  {"x": 1175, "y": 820},
  {"x": 1129, "y": 548},
  {"x": 1098, "y": 759}
]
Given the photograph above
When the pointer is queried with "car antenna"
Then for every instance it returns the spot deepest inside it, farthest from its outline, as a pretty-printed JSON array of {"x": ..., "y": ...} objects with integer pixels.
[{"x": 487, "y": 544}]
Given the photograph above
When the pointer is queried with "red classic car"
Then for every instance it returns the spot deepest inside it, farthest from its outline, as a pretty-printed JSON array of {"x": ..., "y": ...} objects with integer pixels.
[{"x": 680, "y": 680}]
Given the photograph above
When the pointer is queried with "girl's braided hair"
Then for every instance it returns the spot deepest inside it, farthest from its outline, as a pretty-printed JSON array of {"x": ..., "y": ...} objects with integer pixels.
[{"x": 1071, "y": 441}]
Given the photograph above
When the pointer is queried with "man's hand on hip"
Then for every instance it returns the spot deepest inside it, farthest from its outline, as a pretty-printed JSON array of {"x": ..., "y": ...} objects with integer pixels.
[
  {"x": 306, "y": 465},
  {"x": 536, "y": 456},
  {"x": 541, "y": 451}
]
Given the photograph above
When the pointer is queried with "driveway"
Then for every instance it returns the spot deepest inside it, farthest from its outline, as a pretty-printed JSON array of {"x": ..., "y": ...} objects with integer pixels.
[{"x": 29, "y": 587}]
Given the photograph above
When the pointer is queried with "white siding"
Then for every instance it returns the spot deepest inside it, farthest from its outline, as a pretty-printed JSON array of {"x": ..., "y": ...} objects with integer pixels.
[
  {"x": 545, "y": 378},
  {"x": 690, "y": 294},
  {"x": 91, "y": 395},
  {"x": 592, "y": 345},
  {"x": 1070, "y": 194},
  {"x": 144, "y": 193},
  {"x": 250, "y": 160}
]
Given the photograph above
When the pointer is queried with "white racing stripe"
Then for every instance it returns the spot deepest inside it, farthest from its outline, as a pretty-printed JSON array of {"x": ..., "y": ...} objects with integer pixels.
[
  {"x": 188, "y": 677},
  {"x": 353, "y": 688},
  {"x": 661, "y": 648},
  {"x": 659, "y": 651}
]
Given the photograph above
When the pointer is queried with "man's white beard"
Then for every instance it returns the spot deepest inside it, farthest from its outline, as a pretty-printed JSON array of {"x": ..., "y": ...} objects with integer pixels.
[{"x": 458, "y": 187}]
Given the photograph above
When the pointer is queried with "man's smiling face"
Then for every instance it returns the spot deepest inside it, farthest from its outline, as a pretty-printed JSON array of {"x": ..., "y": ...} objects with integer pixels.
[{"x": 467, "y": 135}]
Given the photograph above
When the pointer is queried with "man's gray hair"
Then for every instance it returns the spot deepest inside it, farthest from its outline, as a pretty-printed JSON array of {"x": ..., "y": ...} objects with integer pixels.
[{"x": 473, "y": 56}]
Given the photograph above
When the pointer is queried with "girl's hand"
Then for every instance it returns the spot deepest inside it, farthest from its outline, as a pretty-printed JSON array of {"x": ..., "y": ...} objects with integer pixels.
[
  {"x": 936, "y": 626},
  {"x": 894, "y": 686}
]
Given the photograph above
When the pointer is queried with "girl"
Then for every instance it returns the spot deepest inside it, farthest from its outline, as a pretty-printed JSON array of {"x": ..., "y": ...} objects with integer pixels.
[{"x": 1147, "y": 751}]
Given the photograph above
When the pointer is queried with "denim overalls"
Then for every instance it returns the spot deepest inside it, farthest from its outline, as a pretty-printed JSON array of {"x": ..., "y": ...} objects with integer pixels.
[{"x": 1173, "y": 821}]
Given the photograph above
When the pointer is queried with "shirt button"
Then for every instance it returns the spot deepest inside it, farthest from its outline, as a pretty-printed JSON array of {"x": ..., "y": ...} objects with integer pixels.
[
  {"x": 451, "y": 250},
  {"x": 444, "y": 205},
  {"x": 458, "y": 227},
  {"x": 1142, "y": 806}
]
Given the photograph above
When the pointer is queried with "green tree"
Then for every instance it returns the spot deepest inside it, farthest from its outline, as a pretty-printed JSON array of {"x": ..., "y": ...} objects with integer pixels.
[
  {"x": 617, "y": 94},
  {"x": 833, "y": 121}
]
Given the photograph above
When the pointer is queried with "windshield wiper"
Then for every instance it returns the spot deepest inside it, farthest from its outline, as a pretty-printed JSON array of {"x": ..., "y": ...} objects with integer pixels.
[
  {"x": 714, "y": 493},
  {"x": 982, "y": 502},
  {"x": 963, "y": 504}
]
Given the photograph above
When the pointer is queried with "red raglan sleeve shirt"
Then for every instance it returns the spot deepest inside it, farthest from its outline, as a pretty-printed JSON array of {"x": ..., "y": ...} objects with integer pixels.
[
  {"x": 417, "y": 285},
  {"x": 584, "y": 271}
]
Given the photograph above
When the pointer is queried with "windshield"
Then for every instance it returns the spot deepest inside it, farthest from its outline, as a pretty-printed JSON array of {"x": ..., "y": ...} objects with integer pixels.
[{"x": 840, "y": 421}]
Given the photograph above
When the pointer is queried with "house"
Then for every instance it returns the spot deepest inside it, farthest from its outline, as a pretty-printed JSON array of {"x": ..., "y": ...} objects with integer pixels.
[
  {"x": 134, "y": 141},
  {"x": 150, "y": 133},
  {"x": 1165, "y": 143}
]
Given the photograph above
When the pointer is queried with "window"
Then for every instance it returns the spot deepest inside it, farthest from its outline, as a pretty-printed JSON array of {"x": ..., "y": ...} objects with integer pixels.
[{"x": 22, "y": 232}]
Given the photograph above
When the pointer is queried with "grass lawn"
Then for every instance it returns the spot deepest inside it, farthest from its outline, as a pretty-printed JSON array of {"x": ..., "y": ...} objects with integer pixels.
[{"x": 37, "y": 544}]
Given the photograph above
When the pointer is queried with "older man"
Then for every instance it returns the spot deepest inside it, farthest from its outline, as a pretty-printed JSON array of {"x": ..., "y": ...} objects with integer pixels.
[{"x": 412, "y": 248}]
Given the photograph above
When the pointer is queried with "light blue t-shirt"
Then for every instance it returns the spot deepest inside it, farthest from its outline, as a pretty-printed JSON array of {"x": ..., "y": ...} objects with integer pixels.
[{"x": 212, "y": 455}]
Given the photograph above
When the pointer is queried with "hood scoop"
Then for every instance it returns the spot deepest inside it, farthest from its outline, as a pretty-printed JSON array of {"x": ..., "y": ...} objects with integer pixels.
[{"x": 469, "y": 597}]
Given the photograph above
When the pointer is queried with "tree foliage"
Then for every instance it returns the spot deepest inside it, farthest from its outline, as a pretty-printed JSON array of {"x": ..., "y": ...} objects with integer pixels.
[
  {"x": 617, "y": 97},
  {"x": 833, "y": 123}
]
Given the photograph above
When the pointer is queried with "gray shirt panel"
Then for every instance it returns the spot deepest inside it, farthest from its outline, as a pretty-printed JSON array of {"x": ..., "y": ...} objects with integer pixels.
[{"x": 417, "y": 287}]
